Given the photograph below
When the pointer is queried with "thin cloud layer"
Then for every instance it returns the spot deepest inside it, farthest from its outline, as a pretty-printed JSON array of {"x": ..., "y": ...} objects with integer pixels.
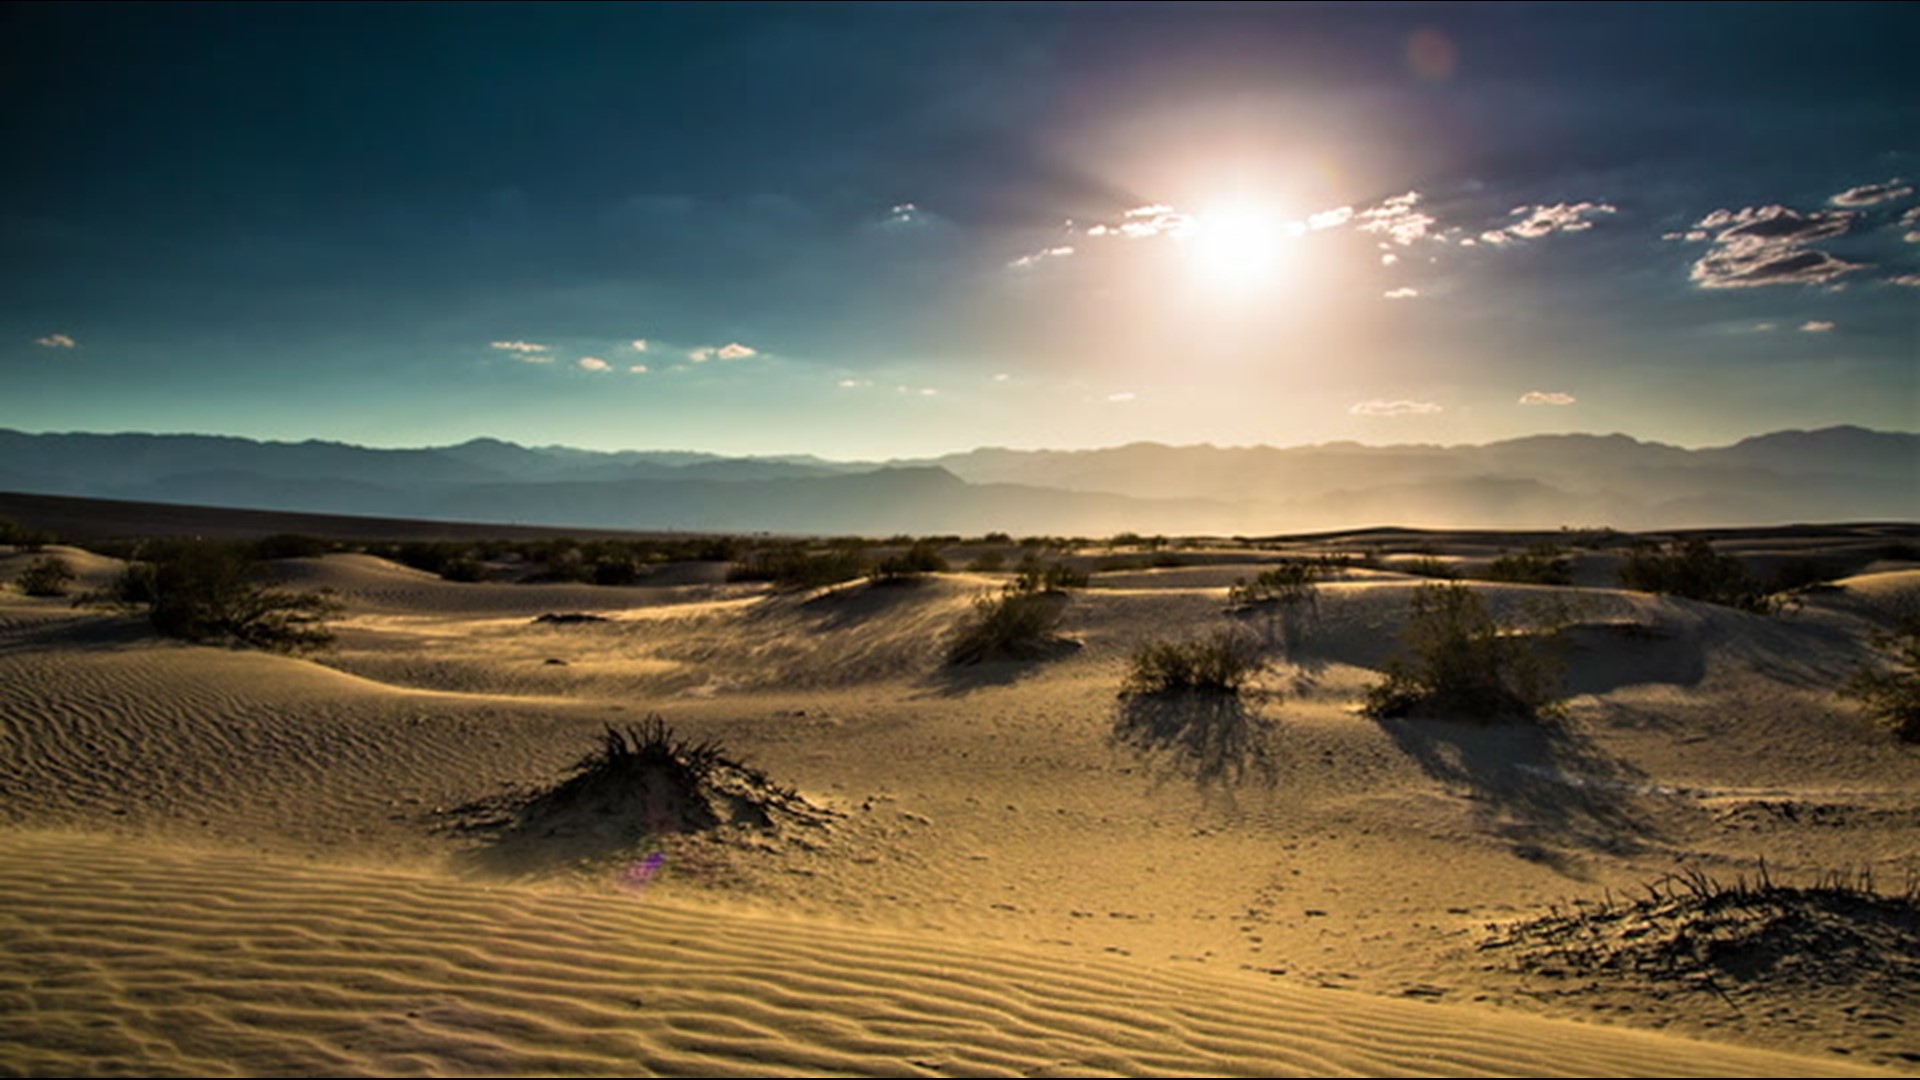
[
  {"x": 1768, "y": 245},
  {"x": 1815, "y": 326},
  {"x": 1034, "y": 259},
  {"x": 593, "y": 363},
  {"x": 1404, "y": 292},
  {"x": 54, "y": 341},
  {"x": 526, "y": 350},
  {"x": 1546, "y": 397},
  {"x": 1873, "y": 194},
  {"x": 1147, "y": 222},
  {"x": 1378, "y": 407}
]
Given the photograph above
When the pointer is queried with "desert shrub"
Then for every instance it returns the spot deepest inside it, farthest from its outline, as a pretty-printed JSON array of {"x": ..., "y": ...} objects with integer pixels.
[
  {"x": 464, "y": 569},
  {"x": 22, "y": 537},
  {"x": 1012, "y": 625},
  {"x": 988, "y": 562},
  {"x": 615, "y": 570},
  {"x": 1220, "y": 663},
  {"x": 1800, "y": 574},
  {"x": 200, "y": 590},
  {"x": 920, "y": 559},
  {"x": 1287, "y": 583},
  {"x": 799, "y": 568},
  {"x": 1890, "y": 691},
  {"x": 1692, "y": 569},
  {"x": 48, "y": 575},
  {"x": 1428, "y": 566},
  {"x": 1540, "y": 564},
  {"x": 290, "y": 546},
  {"x": 1461, "y": 662},
  {"x": 1035, "y": 576}
]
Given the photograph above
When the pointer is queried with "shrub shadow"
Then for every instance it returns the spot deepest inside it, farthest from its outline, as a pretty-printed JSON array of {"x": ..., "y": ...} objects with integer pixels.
[
  {"x": 1541, "y": 788},
  {"x": 1215, "y": 739}
]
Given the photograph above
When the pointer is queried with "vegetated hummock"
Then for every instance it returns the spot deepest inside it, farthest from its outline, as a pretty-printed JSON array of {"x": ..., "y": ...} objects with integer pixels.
[{"x": 502, "y": 819}]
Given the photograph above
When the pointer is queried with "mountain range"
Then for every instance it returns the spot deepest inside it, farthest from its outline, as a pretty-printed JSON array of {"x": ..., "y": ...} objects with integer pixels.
[{"x": 1546, "y": 481}]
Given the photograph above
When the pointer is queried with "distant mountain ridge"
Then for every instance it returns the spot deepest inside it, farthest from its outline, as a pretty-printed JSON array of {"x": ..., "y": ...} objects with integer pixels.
[{"x": 1543, "y": 481}]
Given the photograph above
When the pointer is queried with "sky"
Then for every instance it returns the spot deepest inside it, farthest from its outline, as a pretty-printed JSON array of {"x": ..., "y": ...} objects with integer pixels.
[{"x": 872, "y": 231}]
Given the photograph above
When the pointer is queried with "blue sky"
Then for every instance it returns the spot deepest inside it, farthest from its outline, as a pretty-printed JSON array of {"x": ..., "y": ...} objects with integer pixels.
[{"x": 880, "y": 230}]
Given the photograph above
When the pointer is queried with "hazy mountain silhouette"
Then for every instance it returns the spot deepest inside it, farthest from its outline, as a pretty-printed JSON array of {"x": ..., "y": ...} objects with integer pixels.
[{"x": 1842, "y": 473}]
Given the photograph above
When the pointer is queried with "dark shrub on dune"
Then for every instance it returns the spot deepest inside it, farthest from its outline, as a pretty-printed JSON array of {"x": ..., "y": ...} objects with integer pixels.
[
  {"x": 1890, "y": 690},
  {"x": 199, "y": 590},
  {"x": 1462, "y": 664},
  {"x": 1692, "y": 569},
  {"x": 46, "y": 576},
  {"x": 1220, "y": 663}
]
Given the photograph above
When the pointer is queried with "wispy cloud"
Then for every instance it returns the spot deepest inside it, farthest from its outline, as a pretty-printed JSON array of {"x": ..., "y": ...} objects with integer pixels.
[
  {"x": 733, "y": 350},
  {"x": 1397, "y": 219},
  {"x": 593, "y": 363},
  {"x": 55, "y": 341},
  {"x": 638, "y": 369},
  {"x": 1378, "y": 407},
  {"x": 638, "y": 344},
  {"x": 1147, "y": 222},
  {"x": 1034, "y": 259},
  {"x": 1001, "y": 377},
  {"x": 1873, "y": 194},
  {"x": 1815, "y": 326},
  {"x": 849, "y": 384},
  {"x": 1911, "y": 221},
  {"x": 1388, "y": 258},
  {"x": 1404, "y": 292},
  {"x": 1911, "y": 281},
  {"x": 1122, "y": 396},
  {"x": 1538, "y": 221},
  {"x": 919, "y": 391},
  {"x": 526, "y": 350},
  {"x": 1546, "y": 397},
  {"x": 1768, "y": 245},
  {"x": 1330, "y": 219}
]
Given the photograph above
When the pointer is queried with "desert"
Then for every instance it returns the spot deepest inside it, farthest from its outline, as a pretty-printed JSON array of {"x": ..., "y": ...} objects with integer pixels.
[{"x": 364, "y": 858}]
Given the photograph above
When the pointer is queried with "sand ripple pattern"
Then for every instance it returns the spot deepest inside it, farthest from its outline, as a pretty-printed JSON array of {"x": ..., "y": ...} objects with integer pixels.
[{"x": 116, "y": 959}]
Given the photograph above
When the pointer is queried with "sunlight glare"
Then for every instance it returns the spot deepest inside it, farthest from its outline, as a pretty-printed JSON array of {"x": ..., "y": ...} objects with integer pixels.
[{"x": 1236, "y": 248}]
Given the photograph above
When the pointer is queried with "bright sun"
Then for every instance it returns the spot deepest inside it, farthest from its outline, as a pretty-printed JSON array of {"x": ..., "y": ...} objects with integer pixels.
[{"x": 1236, "y": 248}]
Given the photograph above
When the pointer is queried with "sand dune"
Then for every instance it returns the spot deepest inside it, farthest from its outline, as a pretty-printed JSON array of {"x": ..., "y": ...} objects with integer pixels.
[
  {"x": 229, "y": 861},
  {"x": 170, "y": 961}
]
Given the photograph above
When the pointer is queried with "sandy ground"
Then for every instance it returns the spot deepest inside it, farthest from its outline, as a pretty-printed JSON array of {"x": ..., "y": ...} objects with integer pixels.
[{"x": 232, "y": 862}]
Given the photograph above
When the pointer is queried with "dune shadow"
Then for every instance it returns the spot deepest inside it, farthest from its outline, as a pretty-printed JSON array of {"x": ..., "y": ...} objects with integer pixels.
[
  {"x": 107, "y": 631},
  {"x": 1215, "y": 739},
  {"x": 959, "y": 680},
  {"x": 1542, "y": 789}
]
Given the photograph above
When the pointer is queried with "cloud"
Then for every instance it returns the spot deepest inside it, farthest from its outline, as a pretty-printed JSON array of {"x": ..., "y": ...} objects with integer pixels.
[
  {"x": 638, "y": 344},
  {"x": 1404, "y": 292},
  {"x": 1147, "y": 222},
  {"x": 1911, "y": 281},
  {"x": 638, "y": 369},
  {"x": 904, "y": 213},
  {"x": 1560, "y": 217},
  {"x": 1873, "y": 194},
  {"x": 849, "y": 384},
  {"x": 1911, "y": 219},
  {"x": 924, "y": 391},
  {"x": 1767, "y": 245},
  {"x": 54, "y": 341},
  {"x": 1389, "y": 259},
  {"x": 594, "y": 363},
  {"x": 1002, "y": 377},
  {"x": 1037, "y": 257},
  {"x": 526, "y": 350},
  {"x": 1815, "y": 326},
  {"x": 1397, "y": 219},
  {"x": 733, "y": 350},
  {"x": 1330, "y": 219},
  {"x": 1546, "y": 397},
  {"x": 1378, "y": 407},
  {"x": 1124, "y": 395},
  {"x": 1766, "y": 327}
]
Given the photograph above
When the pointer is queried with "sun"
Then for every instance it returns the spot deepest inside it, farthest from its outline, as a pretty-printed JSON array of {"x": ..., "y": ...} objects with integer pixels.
[{"x": 1236, "y": 248}]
